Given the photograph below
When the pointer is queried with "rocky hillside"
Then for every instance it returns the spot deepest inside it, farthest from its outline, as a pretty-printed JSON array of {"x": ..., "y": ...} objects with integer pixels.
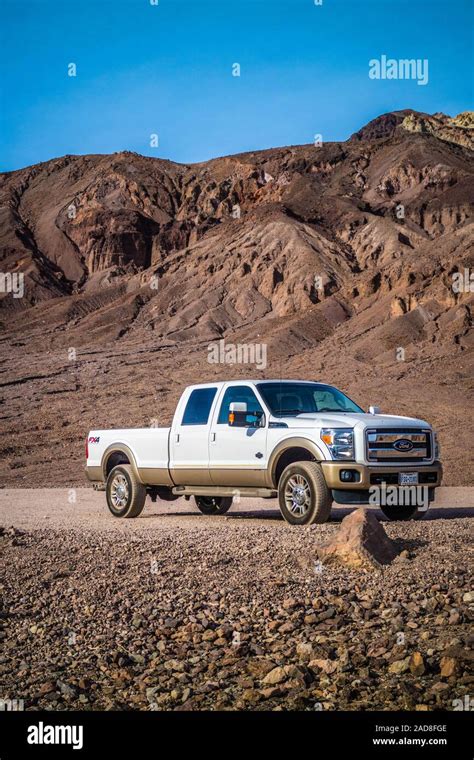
[{"x": 335, "y": 256}]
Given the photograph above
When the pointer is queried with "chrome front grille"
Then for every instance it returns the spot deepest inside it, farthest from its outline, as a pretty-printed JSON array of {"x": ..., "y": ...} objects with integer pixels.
[{"x": 398, "y": 445}]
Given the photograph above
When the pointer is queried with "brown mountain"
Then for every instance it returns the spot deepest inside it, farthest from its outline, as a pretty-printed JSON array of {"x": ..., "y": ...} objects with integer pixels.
[{"x": 336, "y": 257}]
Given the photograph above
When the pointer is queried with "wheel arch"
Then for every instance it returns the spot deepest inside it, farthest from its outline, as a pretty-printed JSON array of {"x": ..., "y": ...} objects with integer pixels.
[
  {"x": 118, "y": 453},
  {"x": 291, "y": 450}
]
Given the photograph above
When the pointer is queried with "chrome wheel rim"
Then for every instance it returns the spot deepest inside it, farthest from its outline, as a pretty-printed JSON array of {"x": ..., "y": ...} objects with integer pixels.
[
  {"x": 119, "y": 491},
  {"x": 297, "y": 495}
]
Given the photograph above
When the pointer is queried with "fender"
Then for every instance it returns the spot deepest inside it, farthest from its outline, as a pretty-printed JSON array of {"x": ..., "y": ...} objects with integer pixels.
[
  {"x": 111, "y": 449},
  {"x": 290, "y": 443}
]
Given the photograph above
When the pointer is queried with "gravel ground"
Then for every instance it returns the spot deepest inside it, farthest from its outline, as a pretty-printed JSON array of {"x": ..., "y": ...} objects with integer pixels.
[{"x": 178, "y": 611}]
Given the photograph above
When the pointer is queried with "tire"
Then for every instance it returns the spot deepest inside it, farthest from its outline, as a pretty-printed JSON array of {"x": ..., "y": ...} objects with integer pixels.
[
  {"x": 125, "y": 494},
  {"x": 393, "y": 512},
  {"x": 213, "y": 505},
  {"x": 303, "y": 494}
]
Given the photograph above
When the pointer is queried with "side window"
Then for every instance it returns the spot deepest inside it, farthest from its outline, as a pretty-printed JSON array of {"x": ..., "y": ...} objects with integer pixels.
[
  {"x": 198, "y": 406},
  {"x": 239, "y": 393}
]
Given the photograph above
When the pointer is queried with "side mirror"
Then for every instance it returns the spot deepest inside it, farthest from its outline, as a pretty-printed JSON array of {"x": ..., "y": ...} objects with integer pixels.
[
  {"x": 374, "y": 410},
  {"x": 238, "y": 414}
]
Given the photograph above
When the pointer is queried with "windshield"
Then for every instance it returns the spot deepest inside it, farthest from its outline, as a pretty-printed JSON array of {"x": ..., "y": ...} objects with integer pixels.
[{"x": 289, "y": 399}]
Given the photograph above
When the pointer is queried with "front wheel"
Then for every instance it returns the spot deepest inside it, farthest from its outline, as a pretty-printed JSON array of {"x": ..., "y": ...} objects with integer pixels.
[
  {"x": 125, "y": 494},
  {"x": 213, "y": 505},
  {"x": 303, "y": 494}
]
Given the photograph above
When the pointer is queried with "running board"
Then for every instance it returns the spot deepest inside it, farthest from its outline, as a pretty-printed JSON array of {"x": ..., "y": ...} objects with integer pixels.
[{"x": 256, "y": 493}]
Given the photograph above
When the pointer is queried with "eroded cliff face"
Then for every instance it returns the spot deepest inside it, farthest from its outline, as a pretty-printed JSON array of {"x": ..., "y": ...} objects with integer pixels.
[{"x": 336, "y": 257}]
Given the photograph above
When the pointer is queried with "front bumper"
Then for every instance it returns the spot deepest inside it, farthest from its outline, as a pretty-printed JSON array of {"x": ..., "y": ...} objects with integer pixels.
[{"x": 370, "y": 475}]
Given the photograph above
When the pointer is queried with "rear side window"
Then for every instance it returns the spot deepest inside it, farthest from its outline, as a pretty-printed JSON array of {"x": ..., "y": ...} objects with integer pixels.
[{"x": 198, "y": 406}]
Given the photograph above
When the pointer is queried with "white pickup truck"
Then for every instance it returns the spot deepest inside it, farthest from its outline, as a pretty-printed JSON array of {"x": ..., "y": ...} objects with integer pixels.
[{"x": 305, "y": 442}]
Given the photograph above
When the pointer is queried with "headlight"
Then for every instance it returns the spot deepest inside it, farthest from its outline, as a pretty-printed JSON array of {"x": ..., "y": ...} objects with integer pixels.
[
  {"x": 340, "y": 442},
  {"x": 437, "y": 447}
]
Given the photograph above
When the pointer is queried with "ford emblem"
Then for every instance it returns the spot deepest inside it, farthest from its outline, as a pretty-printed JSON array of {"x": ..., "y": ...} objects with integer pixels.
[{"x": 403, "y": 444}]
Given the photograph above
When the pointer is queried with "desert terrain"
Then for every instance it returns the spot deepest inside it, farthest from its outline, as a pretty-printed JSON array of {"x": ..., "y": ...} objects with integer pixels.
[
  {"x": 177, "y": 611},
  {"x": 338, "y": 258}
]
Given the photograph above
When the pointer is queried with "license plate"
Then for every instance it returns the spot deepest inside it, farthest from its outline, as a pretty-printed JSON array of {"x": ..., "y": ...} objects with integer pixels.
[{"x": 408, "y": 478}]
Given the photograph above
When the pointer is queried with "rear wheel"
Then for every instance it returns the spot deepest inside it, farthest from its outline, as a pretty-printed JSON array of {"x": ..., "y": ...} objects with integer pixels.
[
  {"x": 125, "y": 494},
  {"x": 303, "y": 494},
  {"x": 213, "y": 505}
]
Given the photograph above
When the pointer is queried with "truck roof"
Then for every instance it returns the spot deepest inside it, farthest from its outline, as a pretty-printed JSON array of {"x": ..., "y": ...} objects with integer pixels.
[{"x": 251, "y": 381}]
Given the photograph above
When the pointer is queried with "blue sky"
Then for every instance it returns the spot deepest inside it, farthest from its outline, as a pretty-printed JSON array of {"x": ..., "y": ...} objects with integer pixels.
[{"x": 166, "y": 69}]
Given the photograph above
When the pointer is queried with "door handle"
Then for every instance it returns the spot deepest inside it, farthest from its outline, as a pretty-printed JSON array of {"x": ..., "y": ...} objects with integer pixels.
[
  {"x": 177, "y": 438},
  {"x": 213, "y": 437}
]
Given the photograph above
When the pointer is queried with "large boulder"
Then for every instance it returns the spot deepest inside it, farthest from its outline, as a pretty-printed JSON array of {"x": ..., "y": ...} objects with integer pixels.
[{"x": 360, "y": 542}]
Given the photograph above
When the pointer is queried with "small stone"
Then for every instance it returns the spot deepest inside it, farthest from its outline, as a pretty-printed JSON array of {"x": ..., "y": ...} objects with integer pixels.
[
  {"x": 272, "y": 691},
  {"x": 417, "y": 666},
  {"x": 304, "y": 650},
  {"x": 399, "y": 666},
  {"x": 67, "y": 690},
  {"x": 47, "y": 688},
  {"x": 448, "y": 667},
  {"x": 281, "y": 674},
  {"x": 327, "y": 666}
]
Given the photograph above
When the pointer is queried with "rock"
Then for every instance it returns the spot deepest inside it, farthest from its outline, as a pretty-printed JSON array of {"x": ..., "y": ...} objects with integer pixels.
[
  {"x": 290, "y": 604},
  {"x": 399, "y": 666},
  {"x": 468, "y": 597},
  {"x": 360, "y": 542},
  {"x": 271, "y": 691},
  {"x": 47, "y": 688},
  {"x": 67, "y": 690},
  {"x": 304, "y": 649},
  {"x": 417, "y": 666},
  {"x": 448, "y": 667},
  {"x": 281, "y": 674},
  {"x": 327, "y": 666},
  {"x": 259, "y": 667}
]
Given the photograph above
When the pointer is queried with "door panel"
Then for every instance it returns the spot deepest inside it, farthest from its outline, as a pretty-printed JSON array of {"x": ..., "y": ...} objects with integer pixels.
[
  {"x": 237, "y": 455},
  {"x": 189, "y": 445}
]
